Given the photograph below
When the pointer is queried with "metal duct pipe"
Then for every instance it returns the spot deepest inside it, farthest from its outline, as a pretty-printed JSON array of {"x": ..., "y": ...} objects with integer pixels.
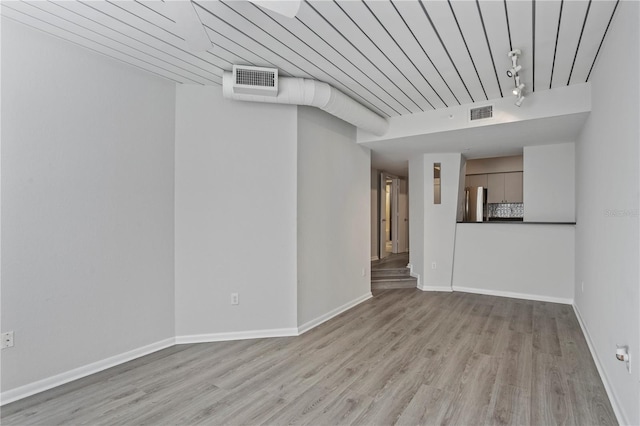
[{"x": 303, "y": 91}]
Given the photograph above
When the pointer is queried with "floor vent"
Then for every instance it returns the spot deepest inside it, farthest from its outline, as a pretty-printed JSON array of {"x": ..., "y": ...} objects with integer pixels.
[
  {"x": 255, "y": 80},
  {"x": 481, "y": 113}
]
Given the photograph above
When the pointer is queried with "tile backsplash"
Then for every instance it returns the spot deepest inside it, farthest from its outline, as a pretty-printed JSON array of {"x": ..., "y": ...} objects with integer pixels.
[{"x": 507, "y": 210}]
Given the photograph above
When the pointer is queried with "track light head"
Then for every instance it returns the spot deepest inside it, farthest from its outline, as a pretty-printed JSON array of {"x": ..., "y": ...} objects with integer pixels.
[
  {"x": 518, "y": 89},
  {"x": 511, "y": 72},
  {"x": 519, "y": 101}
]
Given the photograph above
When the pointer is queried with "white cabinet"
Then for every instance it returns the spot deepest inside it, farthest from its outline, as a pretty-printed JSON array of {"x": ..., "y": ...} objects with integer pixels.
[{"x": 504, "y": 187}]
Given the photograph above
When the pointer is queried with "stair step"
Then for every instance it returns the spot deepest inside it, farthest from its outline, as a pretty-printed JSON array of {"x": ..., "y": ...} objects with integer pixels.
[
  {"x": 390, "y": 272},
  {"x": 393, "y": 278},
  {"x": 393, "y": 282}
]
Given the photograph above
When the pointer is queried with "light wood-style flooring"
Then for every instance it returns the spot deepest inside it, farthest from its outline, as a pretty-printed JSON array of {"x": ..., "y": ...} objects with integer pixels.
[{"x": 403, "y": 357}]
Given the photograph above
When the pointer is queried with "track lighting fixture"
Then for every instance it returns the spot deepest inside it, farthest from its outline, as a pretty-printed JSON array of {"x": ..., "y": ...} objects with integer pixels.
[
  {"x": 513, "y": 73},
  {"x": 515, "y": 52}
]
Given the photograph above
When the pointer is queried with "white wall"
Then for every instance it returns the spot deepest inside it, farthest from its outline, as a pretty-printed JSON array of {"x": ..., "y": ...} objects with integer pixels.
[
  {"x": 235, "y": 215},
  {"x": 515, "y": 260},
  {"x": 416, "y": 214},
  {"x": 607, "y": 182},
  {"x": 549, "y": 183},
  {"x": 334, "y": 233},
  {"x": 87, "y": 207},
  {"x": 433, "y": 226}
]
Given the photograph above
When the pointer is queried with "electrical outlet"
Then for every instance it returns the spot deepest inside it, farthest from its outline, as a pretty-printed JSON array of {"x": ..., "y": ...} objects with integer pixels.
[
  {"x": 623, "y": 354},
  {"x": 7, "y": 339},
  {"x": 433, "y": 265},
  {"x": 235, "y": 300}
]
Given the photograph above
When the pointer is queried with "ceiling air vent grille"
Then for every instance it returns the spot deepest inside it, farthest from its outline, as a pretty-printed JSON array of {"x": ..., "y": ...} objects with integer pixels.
[
  {"x": 481, "y": 113},
  {"x": 255, "y": 80}
]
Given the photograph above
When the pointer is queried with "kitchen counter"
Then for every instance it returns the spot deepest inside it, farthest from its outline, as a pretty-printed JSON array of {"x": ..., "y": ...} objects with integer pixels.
[
  {"x": 526, "y": 260},
  {"x": 520, "y": 222}
]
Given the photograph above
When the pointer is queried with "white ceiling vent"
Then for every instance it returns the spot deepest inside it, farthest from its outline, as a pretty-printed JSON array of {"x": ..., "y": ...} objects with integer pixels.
[
  {"x": 304, "y": 91},
  {"x": 481, "y": 113},
  {"x": 255, "y": 80}
]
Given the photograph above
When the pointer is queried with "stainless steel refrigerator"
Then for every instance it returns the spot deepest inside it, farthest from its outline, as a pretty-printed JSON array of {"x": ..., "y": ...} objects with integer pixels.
[{"x": 475, "y": 208}]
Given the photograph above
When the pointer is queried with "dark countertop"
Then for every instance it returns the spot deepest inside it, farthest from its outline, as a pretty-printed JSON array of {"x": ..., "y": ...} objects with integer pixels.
[{"x": 520, "y": 222}]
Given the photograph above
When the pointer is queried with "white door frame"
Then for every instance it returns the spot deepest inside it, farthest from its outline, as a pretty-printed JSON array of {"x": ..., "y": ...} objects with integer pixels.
[
  {"x": 395, "y": 215},
  {"x": 403, "y": 216}
]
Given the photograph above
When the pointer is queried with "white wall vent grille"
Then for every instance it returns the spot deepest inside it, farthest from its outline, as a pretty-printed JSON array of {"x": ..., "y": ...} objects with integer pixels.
[
  {"x": 255, "y": 80},
  {"x": 481, "y": 113}
]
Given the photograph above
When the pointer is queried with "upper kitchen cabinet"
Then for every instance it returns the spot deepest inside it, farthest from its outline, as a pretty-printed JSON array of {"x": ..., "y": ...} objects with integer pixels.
[
  {"x": 502, "y": 176},
  {"x": 513, "y": 187},
  {"x": 504, "y": 187},
  {"x": 474, "y": 181}
]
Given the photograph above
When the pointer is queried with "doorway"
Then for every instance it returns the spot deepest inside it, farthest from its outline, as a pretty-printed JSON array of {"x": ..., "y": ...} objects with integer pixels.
[{"x": 393, "y": 229}]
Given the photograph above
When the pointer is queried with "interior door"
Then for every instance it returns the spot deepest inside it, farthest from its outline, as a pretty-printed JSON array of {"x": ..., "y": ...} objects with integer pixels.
[
  {"x": 403, "y": 216},
  {"x": 395, "y": 214},
  {"x": 393, "y": 228},
  {"x": 382, "y": 215}
]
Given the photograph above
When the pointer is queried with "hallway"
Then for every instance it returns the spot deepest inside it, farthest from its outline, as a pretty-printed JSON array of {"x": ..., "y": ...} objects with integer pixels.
[{"x": 398, "y": 260}]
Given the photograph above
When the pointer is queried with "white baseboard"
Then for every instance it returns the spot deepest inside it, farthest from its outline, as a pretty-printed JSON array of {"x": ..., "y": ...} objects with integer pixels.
[
  {"x": 237, "y": 335},
  {"x": 374, "y": 258},
  {"x": 414, "y": 275},
  {"x": 620, "y": 416},
  {"x": 326, "y": 317},
  {"x": 514, "y": 295},
  {"x": 95, "y": 367},
  {"x": 435, "y": 288},
  {"x": 80, "y": 372}
]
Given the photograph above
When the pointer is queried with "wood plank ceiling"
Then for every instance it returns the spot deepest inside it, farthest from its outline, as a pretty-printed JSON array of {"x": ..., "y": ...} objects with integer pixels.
[{"x": 396, "y": 57}]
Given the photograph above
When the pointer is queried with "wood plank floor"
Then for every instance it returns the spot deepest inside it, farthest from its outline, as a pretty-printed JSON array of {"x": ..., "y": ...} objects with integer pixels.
[{"x": 403, "y": 357}]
